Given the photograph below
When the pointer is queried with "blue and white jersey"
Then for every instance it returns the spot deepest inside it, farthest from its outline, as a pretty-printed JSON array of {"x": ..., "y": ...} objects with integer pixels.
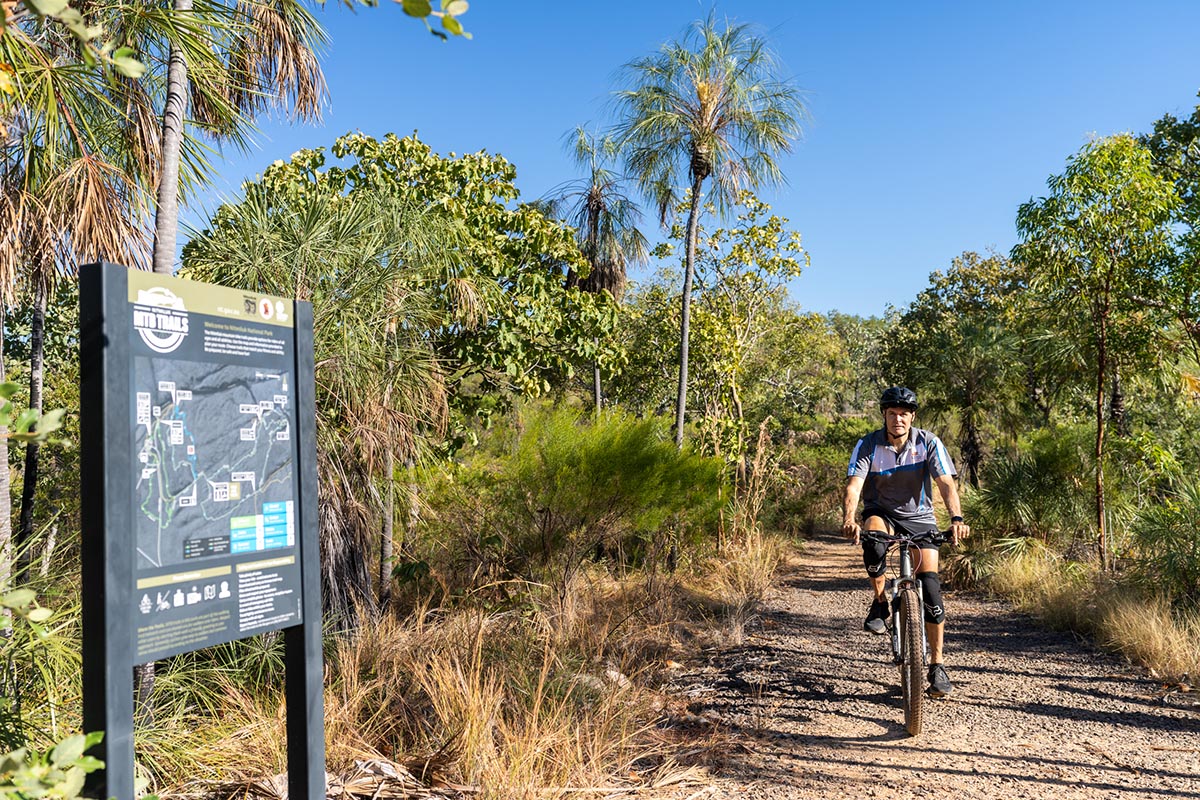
[{"x": 900, "y": 482}]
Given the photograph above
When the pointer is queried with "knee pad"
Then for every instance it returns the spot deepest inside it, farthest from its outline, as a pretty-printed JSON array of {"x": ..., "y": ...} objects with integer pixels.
[
  {"x": 874, "y": 558},
  {"x": 931, "y": 591}
]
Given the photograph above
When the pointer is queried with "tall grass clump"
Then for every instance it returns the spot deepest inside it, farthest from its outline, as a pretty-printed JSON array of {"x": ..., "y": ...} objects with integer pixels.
[
  {"x": 748, "y": 556},
  {"x": 1038, "y": 580},
  {"x": 1149, "y": 631}
]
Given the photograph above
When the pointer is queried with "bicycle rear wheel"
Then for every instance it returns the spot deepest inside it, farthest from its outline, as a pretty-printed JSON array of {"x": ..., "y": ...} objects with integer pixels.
[{"x": 912, "y": 661}]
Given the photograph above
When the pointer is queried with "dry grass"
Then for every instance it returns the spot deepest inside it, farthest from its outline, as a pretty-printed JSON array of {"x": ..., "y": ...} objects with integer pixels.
[
  {"x": 552, "y": 695},
  {"x": 1069, "y": 596},
  {"x": 1147, "y": 631}
]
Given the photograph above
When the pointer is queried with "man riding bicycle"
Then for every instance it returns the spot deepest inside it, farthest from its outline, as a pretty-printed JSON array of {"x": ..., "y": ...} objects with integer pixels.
[{"x": 893, "y": 470}]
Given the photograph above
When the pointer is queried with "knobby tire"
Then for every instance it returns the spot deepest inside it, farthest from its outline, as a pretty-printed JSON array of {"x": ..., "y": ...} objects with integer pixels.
[{"x": 912, "y": 660}]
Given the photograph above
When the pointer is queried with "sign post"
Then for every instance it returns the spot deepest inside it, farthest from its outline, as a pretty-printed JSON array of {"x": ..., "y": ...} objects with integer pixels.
[{"x": 199, "y": 496}]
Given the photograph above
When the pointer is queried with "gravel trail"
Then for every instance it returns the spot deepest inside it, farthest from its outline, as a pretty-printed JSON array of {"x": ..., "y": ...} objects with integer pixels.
[{"x": 814, "y": 703}]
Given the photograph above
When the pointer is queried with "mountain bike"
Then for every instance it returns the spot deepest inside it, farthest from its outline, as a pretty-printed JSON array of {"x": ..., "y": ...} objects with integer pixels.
[{"x": 909, "y": 647}]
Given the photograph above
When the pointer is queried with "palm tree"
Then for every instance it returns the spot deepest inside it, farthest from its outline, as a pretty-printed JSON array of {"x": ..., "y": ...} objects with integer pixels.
[
  {"x": 368, "y": 264},
  {"x": 233, "y": 60},
  {"x": 605, "y": 220},
  {"x": 710, "y": 106},
  {"x": 68, "y": 192}
]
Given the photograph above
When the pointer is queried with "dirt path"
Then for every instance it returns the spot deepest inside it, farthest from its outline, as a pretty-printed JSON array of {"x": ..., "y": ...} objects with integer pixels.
[{"x": 1035, "y": 714}]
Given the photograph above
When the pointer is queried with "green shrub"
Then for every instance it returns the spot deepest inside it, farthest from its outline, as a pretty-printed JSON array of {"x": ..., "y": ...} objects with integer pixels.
[
  {"x": 813, "y": 463},
  {"x": 1041, "y": 490},
  {"x": 614, "y": 482},
  {"x": 58, "y": 774},
  {"x": 560, "y": 489},
  {"x": 1167, "y": 539}
]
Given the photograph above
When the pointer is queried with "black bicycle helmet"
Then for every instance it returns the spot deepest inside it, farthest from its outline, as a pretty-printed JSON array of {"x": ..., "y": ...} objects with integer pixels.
[{"x": 898, "y": 397}]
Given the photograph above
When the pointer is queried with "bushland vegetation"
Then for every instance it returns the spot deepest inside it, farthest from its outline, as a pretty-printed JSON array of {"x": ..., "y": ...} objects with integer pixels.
[{"x": 546, "y": 484}]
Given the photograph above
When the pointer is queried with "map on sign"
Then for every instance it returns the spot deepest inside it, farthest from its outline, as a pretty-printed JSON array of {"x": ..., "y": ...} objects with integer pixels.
[{"x": 214, "y": 449}]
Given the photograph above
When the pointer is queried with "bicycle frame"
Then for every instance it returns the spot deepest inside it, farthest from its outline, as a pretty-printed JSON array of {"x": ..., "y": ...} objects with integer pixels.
[{"x": 909, "y": 655}]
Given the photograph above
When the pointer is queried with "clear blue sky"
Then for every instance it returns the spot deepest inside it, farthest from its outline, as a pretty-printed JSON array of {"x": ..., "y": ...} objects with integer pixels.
[{"x": 931, "y": 121}]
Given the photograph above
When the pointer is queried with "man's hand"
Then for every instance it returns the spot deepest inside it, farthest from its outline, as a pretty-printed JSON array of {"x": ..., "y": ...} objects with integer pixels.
[
  {"x": 959, "y": 531},
  {"x": 850, "y": 528}
]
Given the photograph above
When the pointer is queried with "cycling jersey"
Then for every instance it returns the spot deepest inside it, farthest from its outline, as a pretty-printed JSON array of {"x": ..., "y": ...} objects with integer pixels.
[{"x": 900, "y": 482}]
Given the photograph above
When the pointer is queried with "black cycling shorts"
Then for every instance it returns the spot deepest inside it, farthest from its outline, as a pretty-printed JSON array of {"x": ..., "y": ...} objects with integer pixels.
[{"x": 875, "y": 553}]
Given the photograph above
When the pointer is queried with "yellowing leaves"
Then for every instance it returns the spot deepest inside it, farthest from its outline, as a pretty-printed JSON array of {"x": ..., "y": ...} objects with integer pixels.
[{"x": 1191, "y": 385}]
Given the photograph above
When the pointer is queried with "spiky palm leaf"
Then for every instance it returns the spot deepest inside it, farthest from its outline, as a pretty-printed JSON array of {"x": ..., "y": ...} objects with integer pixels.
[{"x": 603, "y": 215}]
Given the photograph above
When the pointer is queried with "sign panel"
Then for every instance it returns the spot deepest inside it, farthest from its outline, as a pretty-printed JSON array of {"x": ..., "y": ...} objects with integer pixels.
[
  {"x": 198, "y": 484},
  {"x": 213, "y": 420}
]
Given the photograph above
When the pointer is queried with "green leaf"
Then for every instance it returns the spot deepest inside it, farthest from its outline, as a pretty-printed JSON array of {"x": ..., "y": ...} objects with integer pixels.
[
  {"x": 8, "y": 389},
  {"x": 451, "y": 24},
  {"x": 72, "y": 785},
  {"x": 455, "y": 8},
  {"x": 49, "y": 8},
  {"x": 24, "y": 420},
  {"x": 18, "y": 598},
  {"x": 129, "y": 67},
  {"x": 68, "y": 751},
  {"x": 40, "y": 614},
  {"x": 417, "y": 8},
  {"x": 51, "y": 420}
]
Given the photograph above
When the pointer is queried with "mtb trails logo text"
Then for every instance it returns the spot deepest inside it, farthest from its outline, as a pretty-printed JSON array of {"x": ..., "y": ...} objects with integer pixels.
[{"x": 160, "y": 319}]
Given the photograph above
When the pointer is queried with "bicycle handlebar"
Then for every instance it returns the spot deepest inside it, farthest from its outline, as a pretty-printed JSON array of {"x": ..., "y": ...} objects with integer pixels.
[{"x": 929, "y": 537}]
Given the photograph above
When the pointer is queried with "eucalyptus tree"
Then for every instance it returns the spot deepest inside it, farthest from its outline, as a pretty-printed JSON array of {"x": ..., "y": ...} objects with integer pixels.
[
  {"x": 1095, "y": 246},
  {"x": 1175, "y": 146},
  {"x": 605, "y": 220},
  {"x": 956, "y": 344},
  {"x": 711, "y": 108}
]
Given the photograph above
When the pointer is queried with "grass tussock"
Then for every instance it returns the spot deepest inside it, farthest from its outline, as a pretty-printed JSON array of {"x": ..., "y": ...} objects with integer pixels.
[
  {"x": 1067, "y": 595},
  {"x": 557, "y": 692},
  {"x": 1150, "y": 632}
]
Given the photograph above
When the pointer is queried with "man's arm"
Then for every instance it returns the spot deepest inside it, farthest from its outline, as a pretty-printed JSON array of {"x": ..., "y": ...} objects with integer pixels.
[
  {"x": 850, "y": 526},
  {"x": 949, "y": 489}
]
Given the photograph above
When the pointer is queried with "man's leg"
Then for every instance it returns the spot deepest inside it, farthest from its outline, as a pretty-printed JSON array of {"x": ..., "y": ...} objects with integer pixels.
[
  {"x": 926, "y": 562},
  {"x": 875, "y": 561}
]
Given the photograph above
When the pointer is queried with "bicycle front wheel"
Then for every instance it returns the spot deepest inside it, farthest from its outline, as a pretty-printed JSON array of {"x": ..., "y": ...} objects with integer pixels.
[{"x": 912, "y": 661}]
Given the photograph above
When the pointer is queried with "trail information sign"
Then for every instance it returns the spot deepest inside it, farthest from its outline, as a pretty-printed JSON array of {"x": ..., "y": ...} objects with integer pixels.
[
  {"x": 212, "y": 413},
  {"x": 198, "y": 486}
]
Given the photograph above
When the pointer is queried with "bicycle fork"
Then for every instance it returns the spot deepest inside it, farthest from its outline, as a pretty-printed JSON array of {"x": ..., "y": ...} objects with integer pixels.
[{"x": 892, "y": 589}]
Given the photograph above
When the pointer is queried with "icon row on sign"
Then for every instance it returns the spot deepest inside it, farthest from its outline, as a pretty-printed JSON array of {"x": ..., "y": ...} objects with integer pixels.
[{"x": 166, "y": 600}]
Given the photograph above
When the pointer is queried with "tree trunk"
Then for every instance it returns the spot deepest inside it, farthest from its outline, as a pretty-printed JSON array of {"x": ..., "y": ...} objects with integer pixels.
[
  {"x": 55, "y": 509},
  {"x": 1116, "y": 405},
  {"x": 686, "y": 310},
  {"x": 166, "y": 227},
  {"x": 596, "y": 393},
  {"x": 972, "y": 451},
  {"x": 1101, "y": 364},
  {"x": 385, "y": 537},
  {"x": 166, "y": 217},
  {"x": 414, "y": 504},
  {"x": 6, "y": 550},
  {"x": 36, "y": 378}
]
